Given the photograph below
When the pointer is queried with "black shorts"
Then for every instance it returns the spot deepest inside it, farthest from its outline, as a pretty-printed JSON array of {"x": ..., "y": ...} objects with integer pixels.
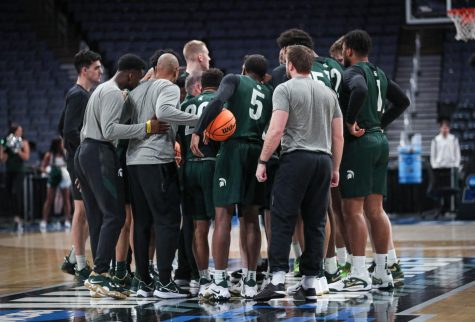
[
  {"x": 72, "y": 174},
  {"x": 122, "y": 156}
]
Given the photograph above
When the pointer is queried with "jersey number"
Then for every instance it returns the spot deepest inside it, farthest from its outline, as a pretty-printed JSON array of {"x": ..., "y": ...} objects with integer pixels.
[
  {"x": 335, "y": 73},
  {"x": 380, "y": 101},
  {"x": 193, "y": 110},
  {"x": 318, "y": 76},
  {"x": 255, "y": 112}
]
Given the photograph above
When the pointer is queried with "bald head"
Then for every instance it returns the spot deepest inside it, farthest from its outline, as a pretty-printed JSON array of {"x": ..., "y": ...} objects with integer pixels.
[{"x": 167, "y": 67}]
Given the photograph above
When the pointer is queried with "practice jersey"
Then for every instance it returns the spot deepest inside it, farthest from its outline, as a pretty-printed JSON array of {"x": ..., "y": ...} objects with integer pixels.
[
  {"x": 370, "y": 114},
  {"x": 334, "y": 71},
  {"x": 319, "y": 73},
  {"x": 195, "y": 105},
  {"x": 251, "y": 105}
]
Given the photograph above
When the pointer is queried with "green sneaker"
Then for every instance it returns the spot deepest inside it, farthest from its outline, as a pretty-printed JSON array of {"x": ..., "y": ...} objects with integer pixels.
[
  {"x": 344, "y": 269},
  {"x": 134, "y": 285},
  {"x": 102, "y": 284},
  {"x": 297, "y": 268},
  {"x": 153, "y": 272},
  {"x": 335, "y": 277},
  {"x": 397, "y": 273},
  {"x": 144, "y": 290},
  {"x": 124, "y": 283},
  {"x": 68, "y": 267},
  {"x": 83, "y": 274}
]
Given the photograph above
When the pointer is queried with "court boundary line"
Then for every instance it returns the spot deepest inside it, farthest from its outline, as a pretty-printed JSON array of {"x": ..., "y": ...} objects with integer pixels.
[
  {"x": 34, "y": 290},
  {"x": 444, "y": 296}
]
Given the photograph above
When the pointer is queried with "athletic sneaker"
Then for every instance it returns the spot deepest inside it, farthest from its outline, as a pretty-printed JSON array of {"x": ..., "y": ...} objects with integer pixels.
[
  {"x": 236, "y": 276},
  {"x": 323, "y": 285},
  {"x": 249, "y": 289},
  {"x": 83, "y": 274},
  {"x": 152, "y": 271},
  {"x": 236, "y": 288},
  {"x": 266, "y": 281},
  {"x": 204, "y": 283},
  {"x": 170, "y": 290},
  {"x": 351, "y": 283},
  {"x": 345, "y": 269},
  {"x": 194, "y": 283},
  {"x": 384, "y": 282},
  {"x": 270, "y": 292},
  {"x": 124, "y": 282},
  {"x": 134, "y": 285},
  {"x": 68, "y": 267},
  {"x": 144, "y": 290},
  {"x": 397, "y": 273},
  {"x": 263, "y": 266},
  {"x": 102, "y": 284},
  {"x": 335, "y": 277},
  {"x": 43, "y": 226},
  {"x": 308, "y": 295},
  {"x": 217, "y": 292},
  {"x": 297, "y": 267},
  {"x": 371, "y": 268},
  {"x": 182, "y": 282}
]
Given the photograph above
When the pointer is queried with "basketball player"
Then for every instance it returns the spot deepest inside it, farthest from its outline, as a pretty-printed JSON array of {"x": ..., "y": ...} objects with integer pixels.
[
  {"x": 156, "y": 202},
  {"x": 196, "y": 56},
  {"x": 308, "y": 119},
  {"x": 198, "y": 172},
  {"x": 88, "y": 66},
  {"x": 365, "y": 159},
  {"x": 249, "y": 99},
  {"x": 98, "y": 168}
]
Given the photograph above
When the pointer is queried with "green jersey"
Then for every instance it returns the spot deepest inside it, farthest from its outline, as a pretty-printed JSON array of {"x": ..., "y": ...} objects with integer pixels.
[
  {"x": 334, "y": 71},
  {"x": 319, "y": 73},
  {"x": 370, "y": 114},
  {"x": 195, "y": 105},
  {"x": 251, "y": 105}
]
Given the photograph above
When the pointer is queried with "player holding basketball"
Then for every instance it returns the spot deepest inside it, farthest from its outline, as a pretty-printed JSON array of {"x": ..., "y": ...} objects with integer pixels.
[
  {"x": 198, "y": 172},
  {"x": 363, "y": 169},
  {"x": 250, "y": 100}
]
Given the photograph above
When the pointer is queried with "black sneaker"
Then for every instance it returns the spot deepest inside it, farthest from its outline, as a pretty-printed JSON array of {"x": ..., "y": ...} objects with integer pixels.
[
  {"x": 83, "y": 274},
  {"x": 236, "y": 276},
  {"x": 102, "y": 284},
  {"x": 335, "y": 277},
  {"x": 270, "y": 292},
  {"x": 144, "y": 290},
  {"x": 263, "y": 266},
  {"x": 124, "y": 283},
  {"x": 152, "y": 271},
  {"x": 308, "y": 295},
  {"x": 68, "y": 267},
  {"x": 170, "y": 291},
  {"x": 134, "y": 286}
]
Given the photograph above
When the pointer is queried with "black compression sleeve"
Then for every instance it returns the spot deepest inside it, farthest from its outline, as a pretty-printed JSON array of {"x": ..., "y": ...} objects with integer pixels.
[
  {"x": 399, "y": 102},
  {"x": 355, "y": 81},
  {"x": 225, "y": 91}
]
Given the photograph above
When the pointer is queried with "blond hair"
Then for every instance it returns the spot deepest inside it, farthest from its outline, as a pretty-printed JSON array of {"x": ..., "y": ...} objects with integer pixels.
[
  {"x": 337, "y": 47},
  {"x": 193, "y": 48}
]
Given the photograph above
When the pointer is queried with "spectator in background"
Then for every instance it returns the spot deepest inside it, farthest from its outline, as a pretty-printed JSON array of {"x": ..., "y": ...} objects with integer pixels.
[
  {"x": 54, "y": 164},
  {"x": 15, "y": 150},
  {"x": 445, "y": 148}
]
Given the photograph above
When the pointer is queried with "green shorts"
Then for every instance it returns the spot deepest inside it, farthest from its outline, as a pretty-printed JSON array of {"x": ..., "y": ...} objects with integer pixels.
[
  {"x": 235, "y": 176},
  {"x": 364, "y": 166},
  {"x": 198, "y": 189}
]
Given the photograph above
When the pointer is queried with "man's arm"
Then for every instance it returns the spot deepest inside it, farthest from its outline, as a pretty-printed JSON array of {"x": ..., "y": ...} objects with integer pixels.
[
  {"x": 225, "y": 91},
  {"x": 400, "y": 102},
  {"x": 337, "y": 149},
  {"x": 354, "y": 79},
  {"x": 110, "y": 118},
  {"x": 74, "y": 118},
  {"x": 166, "y": 107}
]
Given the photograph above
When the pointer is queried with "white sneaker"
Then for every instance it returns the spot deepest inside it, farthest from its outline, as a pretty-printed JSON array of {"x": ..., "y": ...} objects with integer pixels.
[
  {"x": 43, "y": 226},
  {"x": 249, "y": 289},
  {"x": 324, "y": 285},
  {"x": 236, "y": 289},
  {"x": 265, "y": 282},
  {"x": 217, "y": 292},
  {"x": 67, "y": 225},
  {"x": 384, "y": 282},
  {"x": 291, "y": 290},
  {"x": 318, "y": 287},
  {"x": 194, "y": 284},
  {"x": 204, "y": 284},
  {"x": 351, "y": 283}
]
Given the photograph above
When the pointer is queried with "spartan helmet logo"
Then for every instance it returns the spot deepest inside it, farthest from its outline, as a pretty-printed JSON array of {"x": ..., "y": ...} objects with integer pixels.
[
  {"x": 119, "y": 173},
  {"x": 350, "y": 174},
  {"x": 222, "y": 182}
]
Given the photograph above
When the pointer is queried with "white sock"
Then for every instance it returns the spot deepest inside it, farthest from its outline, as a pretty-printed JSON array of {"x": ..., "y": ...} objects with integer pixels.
[
  {"x": 330, "y": 265},
  {"x": 358, "y": 267},
  {"x": 297, "y": 249},
  {"x": 244, "y": 272},
  {"x": 204, "y": 274},
  {"x": 251, "y": 275},
  {"x": 341, "y": 256},
  {"x": 278, "y": 277},
  {"x": 392, "y": 257},
  {"x": 219, "y": 275},
  {"x": 80, "y": 262},
  {"x": 381, "y": 264},
  {"x": 72, "y": 256},
  {"x": 150, "y": 262},
  {"x": 349, "y": 259},
  {"x": 308, "y": 282}
]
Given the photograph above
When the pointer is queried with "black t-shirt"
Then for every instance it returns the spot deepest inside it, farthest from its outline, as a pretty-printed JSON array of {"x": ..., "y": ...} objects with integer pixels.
[{"x": 72, "y": 118}]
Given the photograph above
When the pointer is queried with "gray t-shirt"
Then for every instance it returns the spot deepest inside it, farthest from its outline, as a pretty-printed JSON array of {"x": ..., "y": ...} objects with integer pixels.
[
  {"x": 103, "y": 116},
  {"x": 162, "y": 98},
  {"x": 311, "y": 107}
]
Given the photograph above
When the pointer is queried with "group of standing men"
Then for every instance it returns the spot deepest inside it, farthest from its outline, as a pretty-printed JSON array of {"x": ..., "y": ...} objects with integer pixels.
[{"x": 326, "y": 123}]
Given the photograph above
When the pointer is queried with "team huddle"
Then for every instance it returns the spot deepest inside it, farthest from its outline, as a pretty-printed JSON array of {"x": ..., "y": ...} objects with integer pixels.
[{"x": 308, "y": 153}]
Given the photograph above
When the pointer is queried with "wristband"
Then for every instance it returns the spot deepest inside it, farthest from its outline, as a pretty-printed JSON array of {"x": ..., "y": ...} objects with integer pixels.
[
  {"x": 262, "y": 162},
  {"x": 148, "y": 127}
]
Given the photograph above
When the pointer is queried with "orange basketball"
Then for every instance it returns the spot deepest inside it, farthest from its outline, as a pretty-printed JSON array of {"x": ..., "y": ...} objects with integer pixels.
[{"x": 222, "y": 127}]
